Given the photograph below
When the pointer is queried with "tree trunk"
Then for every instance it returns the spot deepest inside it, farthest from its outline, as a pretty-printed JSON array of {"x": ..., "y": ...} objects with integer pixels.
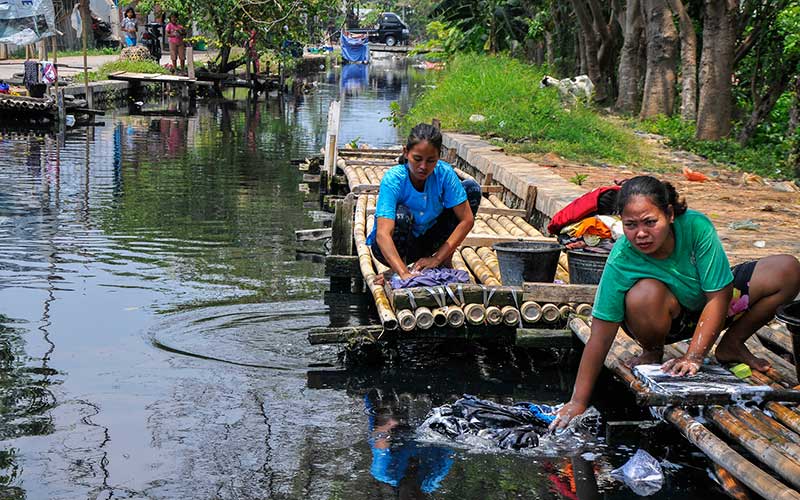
[
  {"x": 794, "y": 111},
  {"x": 716, "y": 66},
  {"x": 591, "y": 43},
  {"x": 659, "y": 82},
  {"x": 629, "y": 74},
  {"x": 548, "y": 49},
  {"x": 688, "y": 61},
  {"x": 762, "y": 107}
]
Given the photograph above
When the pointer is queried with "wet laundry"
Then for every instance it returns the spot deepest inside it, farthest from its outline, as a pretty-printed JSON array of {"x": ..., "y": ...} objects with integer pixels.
[
  {"x": 507, "y": 427},
  {"x": 431, "y": 277}
]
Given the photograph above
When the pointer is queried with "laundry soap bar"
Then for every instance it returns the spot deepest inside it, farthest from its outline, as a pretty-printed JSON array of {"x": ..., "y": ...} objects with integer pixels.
[{"x": 741, "y": 370}]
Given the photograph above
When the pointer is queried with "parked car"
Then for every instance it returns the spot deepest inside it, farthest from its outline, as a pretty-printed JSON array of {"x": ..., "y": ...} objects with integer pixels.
[{"x": 390, "y": 30}]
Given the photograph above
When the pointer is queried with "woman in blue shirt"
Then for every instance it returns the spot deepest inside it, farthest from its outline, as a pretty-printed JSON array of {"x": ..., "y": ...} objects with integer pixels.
[{"x": 424, "y": 210}]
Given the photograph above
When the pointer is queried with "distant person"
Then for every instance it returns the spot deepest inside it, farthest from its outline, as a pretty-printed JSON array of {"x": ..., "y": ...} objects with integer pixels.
[
  {"x": 424, "y": 211},
  {"x": 175, "y": 34},
  {"x": 129, "y": 27},
  {"x": 669, "y": 279}
]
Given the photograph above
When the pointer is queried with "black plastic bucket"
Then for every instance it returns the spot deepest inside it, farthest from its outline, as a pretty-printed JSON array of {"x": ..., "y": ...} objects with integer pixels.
[
  {"x": 789, "y": 314},
  {"x": 585, "y": 268},
  {"x": 522, "y": 261}
]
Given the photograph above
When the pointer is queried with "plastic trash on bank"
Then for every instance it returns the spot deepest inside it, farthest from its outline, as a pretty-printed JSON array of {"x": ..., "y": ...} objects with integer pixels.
[{"x": 642, "y": 473}]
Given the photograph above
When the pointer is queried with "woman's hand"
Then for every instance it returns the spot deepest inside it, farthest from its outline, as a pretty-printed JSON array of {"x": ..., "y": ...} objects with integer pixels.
[
  {"x": 566, "y": 414},
  {"x": 686, "y": 365},
  {"x": 426, "y": 263}
]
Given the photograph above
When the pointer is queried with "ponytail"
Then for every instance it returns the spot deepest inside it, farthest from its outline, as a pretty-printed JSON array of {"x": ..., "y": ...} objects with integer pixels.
[
  {"x": 661, "y": 193},
  {"x": 423, "y": 132}
]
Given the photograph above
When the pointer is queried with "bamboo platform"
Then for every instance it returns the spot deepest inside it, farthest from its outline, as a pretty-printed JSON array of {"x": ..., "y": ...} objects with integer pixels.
[
  {"x": 534, "y": 314},
  {"x": 770, "y": 435}
]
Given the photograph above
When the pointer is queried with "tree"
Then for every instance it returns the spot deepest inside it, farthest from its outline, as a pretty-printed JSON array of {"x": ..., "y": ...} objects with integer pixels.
[
  {"x": 600, "y": 39},
  {"x": 716, "y": 67},
  {"x": 688, "y": 61},
  {"x": 659, "y": 80},
  {"x": 630, "y": 74}
]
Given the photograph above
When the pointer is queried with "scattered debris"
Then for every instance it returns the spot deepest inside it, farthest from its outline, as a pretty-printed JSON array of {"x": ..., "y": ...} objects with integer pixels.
[
  {"x": 642, "y": 473},
  {"x": 760, "y": 244},
  {"x": 477, "y": 118},
  {"x": 785, "y": 187},
  {"x": 748, "y": 178},
  {"x": 745, "y": 225},
  {"x": 694, "y": 176}
]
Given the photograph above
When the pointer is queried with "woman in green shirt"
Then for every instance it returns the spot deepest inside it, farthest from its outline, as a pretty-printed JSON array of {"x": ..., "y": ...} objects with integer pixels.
[{"x": 669, "y": 279}]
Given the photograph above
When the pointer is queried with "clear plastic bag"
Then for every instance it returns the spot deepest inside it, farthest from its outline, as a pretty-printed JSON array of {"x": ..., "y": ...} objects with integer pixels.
[{"x": 642, "y": 473}]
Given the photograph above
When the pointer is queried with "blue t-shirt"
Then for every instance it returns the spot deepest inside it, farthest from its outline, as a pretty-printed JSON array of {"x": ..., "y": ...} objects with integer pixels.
[{"x": 443, "y": 189}]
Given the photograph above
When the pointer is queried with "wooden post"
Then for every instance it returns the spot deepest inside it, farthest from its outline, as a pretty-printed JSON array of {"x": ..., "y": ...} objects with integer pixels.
[
  {"x": 190, "y": 62},
  {"x": 3, "y": 51},
  {"x": 42, "y": 46},
  {"x": 62, "y": 111},
  {"x": 331, "y": 142},
  {"x": 55, "y": 65},
  {"x": 85, "y": 42},
  {"x": 342, "y": 227}
]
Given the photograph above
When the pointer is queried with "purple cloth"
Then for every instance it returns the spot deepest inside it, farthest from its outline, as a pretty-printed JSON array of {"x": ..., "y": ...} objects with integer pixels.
[{"x": 431, "y": 277}]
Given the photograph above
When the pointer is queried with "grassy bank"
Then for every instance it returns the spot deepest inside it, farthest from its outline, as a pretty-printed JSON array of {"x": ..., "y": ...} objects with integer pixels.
[
  {"x": 528, "y": 119},
  {"x": 532, "y": 120}
]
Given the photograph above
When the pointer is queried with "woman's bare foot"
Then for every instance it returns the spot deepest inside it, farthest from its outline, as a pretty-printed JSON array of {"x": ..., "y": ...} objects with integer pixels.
[
  {"x": 736, "y": 352},
  {"x": 647, "y": 358}
]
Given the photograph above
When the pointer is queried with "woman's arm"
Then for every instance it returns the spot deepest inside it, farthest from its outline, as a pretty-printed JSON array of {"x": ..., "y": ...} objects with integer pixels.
[
  {"x": 465, "y": 222},
  {"x": 594, "y": 354},
  {"x": 706, "y": 332},
  {"x": 383, "y": 236}
]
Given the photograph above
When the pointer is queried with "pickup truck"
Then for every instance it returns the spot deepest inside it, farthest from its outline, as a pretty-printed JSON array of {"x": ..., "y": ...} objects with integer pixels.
[{"x": 390, "y": 30}]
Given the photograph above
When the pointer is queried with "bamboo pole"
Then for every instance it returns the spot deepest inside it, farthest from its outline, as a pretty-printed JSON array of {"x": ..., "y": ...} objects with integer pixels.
[
  {"x": 455, "y": 316},
  {"x": 458, "y": 263},
  {"x": 475, "y": 314},
  {"x": 494, "y": 315},
  {"x": 766, "y": 451},
  {"x": 440, "y": 316},
  {"x": 583, "y": 309},
  {"x": 565, "y": 310},
  {"x": 388, "y": 319},
  {"x": 722, "y": 454},
  {"x": 510, "y": 315},
  {"x": 767, "y": 431},
  {"x": 481, "y": 227},
  {"x": 479, "y": 269},
  {"x": 489, "y": 258},
  {"x": 424, "y": 317},
  {"x": 525, "y": 226},
  {"x": 371, "y": 176},
  {"x": 531, "y": 311},
  {"x": 732, "y": 486},
  {"x": 550, "y": 313},
  {"x": 497, "y": 202},
  {"x": 496, "y": 226},
  {"x": 84, "y": 6},
  {"x": 406, "y": 320},
  {"x": 509, "y": 226}
]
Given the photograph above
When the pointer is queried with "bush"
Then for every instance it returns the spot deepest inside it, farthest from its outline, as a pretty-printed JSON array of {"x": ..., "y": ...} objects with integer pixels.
[
  {"x": 506, "y": 92},
  {"x": 132, "y": 66},
  {"x": 766, "y": 158}
]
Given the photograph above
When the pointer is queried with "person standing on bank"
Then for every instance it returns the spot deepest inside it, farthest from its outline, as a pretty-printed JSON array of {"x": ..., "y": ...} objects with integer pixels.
[
  {"x": 175, "y": 33},
  {"x": 669, "y": 279},
  {"x": 129, "y": 27},
  {"x": 424, "y": 211}
]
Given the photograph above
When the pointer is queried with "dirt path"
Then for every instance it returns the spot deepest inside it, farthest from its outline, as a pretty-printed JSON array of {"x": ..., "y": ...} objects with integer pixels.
[{"x": 726, "y": 198}]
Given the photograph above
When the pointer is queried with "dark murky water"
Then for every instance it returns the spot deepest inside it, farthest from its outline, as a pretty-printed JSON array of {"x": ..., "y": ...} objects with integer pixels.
[{"x": 153, "y": 320}]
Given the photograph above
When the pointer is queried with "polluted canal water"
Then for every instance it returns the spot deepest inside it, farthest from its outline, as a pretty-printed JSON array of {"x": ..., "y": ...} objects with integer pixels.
[{"x": 153, "y": 322}]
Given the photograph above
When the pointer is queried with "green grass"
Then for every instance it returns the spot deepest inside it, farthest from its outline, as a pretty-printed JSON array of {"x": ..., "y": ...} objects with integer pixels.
[
  {"x": 765, "y": 159},
  {"x": 528, "y": 119},
  {"x": 132, "y": 66},
  {"x": 90, "y": 52}
]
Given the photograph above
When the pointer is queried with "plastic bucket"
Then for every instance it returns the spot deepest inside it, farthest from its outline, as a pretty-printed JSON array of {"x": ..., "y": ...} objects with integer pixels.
[
  {"x": 522, "y": 261},
  {"x": 585, "y": 268},
  {"x": 789, "y": 314}
]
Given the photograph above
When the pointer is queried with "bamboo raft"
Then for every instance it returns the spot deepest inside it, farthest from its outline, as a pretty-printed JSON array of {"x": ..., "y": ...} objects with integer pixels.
[
  {"x": 533, "y": 315},
  {"x": 771, "y": 436}
]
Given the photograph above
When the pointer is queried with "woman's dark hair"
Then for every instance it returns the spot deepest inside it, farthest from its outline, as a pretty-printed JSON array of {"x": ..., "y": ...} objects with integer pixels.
[
  {"x": 422, "y": 133},
  {"x": 661, "y": 193},
  {"x": 130, "y": 9},
  {"x": 172, "y": 14}
]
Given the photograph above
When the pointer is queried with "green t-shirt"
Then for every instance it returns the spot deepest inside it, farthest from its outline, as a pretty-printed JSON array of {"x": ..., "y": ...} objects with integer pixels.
[{"x": 697, "y": 265}]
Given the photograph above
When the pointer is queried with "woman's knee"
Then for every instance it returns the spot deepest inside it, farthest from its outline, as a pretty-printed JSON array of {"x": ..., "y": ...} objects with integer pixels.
[
  {"x": 780, "y": 273},
  {"x": 649, "y": 296},
  {"x": 473, "y": 190}
]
